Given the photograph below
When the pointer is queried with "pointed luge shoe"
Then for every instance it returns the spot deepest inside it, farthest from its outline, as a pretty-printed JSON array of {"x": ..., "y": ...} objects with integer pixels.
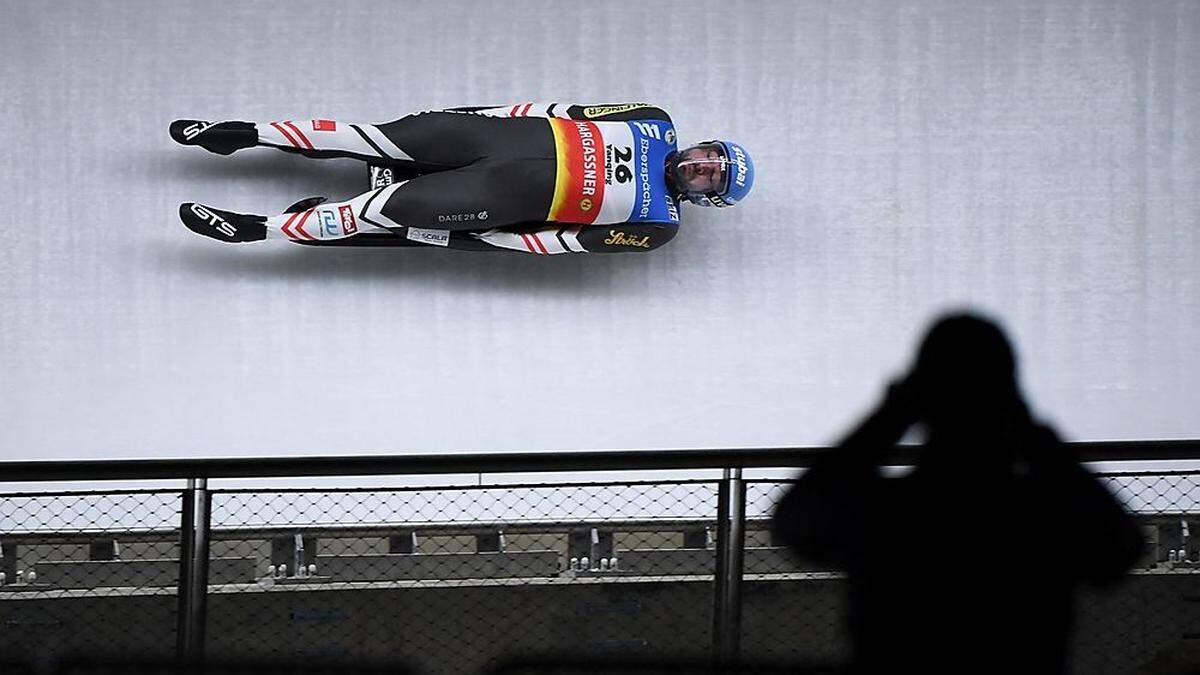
[
  {"x": 222, "y": 138},
  {"x": 222, "y": 225}
]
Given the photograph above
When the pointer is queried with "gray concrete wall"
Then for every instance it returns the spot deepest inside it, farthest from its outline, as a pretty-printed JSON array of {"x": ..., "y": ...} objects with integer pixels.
[
  {"x": 451, "y": 629},
  {"x": 162, "y": 572},
  {"x": 439, "y": 566}
]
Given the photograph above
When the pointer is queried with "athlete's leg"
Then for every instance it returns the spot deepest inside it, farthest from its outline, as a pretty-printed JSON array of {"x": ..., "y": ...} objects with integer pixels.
[
  {"x": 313, "y": 138},
  {"x": 485, "y": 195},
  {"x": 306, "y": 221},
  {"x": 433, "y": 140},
  {"x": 460, "y": 139}
]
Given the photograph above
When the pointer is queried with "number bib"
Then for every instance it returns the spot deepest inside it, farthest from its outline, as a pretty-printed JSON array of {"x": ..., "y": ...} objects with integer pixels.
[{"x": 612, "y": 172}]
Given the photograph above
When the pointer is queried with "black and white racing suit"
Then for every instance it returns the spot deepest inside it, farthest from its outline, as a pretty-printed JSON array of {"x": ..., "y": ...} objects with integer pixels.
[{"x": 540, "y": 178}]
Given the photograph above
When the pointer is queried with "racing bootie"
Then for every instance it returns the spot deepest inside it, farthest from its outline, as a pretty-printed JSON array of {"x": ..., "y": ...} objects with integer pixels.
[
  {"x": 222, "y": 138},
  {"x": 222, "y": 225}
]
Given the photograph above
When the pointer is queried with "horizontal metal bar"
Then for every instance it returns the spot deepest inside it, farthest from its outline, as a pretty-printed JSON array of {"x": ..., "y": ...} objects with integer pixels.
[
  {"x": 478, "y": 487},
  {"x": 381, "y": 489},
  {"x": 516, "y": 462},
  {"x": 1146, "y": 473},
  {"x": 166, "y": 492}
]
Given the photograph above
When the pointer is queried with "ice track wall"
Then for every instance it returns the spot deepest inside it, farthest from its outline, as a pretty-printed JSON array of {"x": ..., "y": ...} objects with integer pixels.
[{"x": 1038, "y": 160}]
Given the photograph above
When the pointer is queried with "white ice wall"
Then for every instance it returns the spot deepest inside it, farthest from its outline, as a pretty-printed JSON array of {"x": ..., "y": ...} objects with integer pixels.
[{"x": 1038, "y": 160}]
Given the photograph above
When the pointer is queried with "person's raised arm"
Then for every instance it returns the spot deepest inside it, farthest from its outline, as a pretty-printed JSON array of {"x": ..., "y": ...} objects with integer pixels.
[
  {"x": 1094, "y": 520},
  {"x": 826, "y": 503}
]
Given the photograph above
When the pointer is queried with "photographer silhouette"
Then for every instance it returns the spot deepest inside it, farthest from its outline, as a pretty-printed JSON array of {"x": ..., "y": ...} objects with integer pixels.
[{"x": 970, "y": 561}]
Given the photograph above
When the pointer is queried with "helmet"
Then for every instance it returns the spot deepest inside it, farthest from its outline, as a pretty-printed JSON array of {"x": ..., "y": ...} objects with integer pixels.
[{"x": 712, "y": 173}]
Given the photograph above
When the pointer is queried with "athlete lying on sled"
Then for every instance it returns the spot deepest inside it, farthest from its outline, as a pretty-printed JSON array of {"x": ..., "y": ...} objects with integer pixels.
[{"x": 532, "y": 177}]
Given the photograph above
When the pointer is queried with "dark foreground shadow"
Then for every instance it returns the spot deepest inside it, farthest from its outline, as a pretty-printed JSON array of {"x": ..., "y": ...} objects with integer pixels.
[{"x": 971, "y": 561}]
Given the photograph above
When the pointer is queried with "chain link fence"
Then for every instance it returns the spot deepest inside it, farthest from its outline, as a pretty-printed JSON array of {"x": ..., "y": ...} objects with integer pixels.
[
  {"x": 795, "y": 609},
  {"x": 457, "y": 579},
  {"x": 454, "y": 578},
  {"x": 88, "y": 572}
]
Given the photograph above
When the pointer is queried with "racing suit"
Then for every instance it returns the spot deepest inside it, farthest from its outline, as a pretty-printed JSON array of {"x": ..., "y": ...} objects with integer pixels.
[{"x": 540, "y": 178}]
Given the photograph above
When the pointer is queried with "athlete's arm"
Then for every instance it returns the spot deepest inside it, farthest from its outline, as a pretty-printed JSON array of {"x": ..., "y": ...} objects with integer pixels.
[
  {"x": 607, "y": 112},
  {"x": 551, "y": 239}
]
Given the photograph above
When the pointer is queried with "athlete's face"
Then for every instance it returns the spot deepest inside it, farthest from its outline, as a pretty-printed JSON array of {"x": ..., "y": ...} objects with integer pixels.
[{"x": 702, "y": 169}]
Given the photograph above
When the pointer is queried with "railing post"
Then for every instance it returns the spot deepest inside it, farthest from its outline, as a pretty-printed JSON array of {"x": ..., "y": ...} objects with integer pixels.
[
  {"x": 727, "y": 602},
  {"x": 193, "y": 570},
  {"x": 722, "y": 563}
]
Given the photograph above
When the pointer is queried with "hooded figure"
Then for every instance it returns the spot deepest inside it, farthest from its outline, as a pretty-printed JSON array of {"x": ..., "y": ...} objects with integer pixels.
[{"x": 974, "y": 557}]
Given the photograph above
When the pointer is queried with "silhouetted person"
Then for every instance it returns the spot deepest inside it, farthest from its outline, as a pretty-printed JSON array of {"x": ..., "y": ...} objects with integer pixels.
[{"x": 970, "y": 561}]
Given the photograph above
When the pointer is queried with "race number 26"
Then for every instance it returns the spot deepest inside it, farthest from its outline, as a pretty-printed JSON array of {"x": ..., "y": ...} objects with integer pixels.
[{"x": 623, "y": 174}]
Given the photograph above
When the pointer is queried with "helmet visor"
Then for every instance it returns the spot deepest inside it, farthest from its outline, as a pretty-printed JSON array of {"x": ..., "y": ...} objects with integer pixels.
[{"x": 702, "y": 170}]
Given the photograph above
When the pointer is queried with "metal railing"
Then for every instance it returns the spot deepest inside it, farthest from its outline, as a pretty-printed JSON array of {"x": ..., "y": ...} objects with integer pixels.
[{"x": 517, "y": 549}]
